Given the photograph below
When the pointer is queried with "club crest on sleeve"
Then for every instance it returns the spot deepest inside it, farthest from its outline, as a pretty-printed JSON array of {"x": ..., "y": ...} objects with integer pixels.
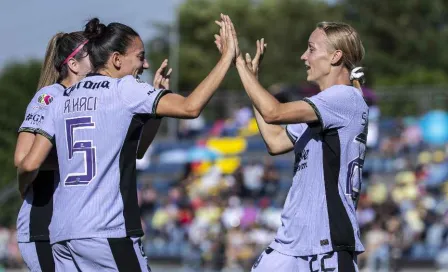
[{"x": 45, "y": 99}]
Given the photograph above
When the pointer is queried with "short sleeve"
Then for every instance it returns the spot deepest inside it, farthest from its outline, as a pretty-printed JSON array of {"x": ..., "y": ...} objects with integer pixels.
[
  {"x": 334, "y": 107},
  {"x": 295, "y": 131},
  {"x": 138, "y": 96},
  {"x": 36, "y": 112},
  {"x": 47, "y": 128}
]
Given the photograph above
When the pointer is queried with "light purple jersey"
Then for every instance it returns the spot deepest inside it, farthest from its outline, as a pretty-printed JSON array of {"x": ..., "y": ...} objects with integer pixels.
[
  {"x": 35, "y": 214},
  {"x": 319, "y": 212},
  {"x": 96, "y": 126}
]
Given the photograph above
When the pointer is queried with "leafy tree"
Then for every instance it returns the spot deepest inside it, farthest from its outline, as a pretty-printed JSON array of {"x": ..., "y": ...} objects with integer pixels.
[
  {"x": 285, "y": 25},
  {"x": 18, "y": 83},
  {"x": 405, "y": 40}
]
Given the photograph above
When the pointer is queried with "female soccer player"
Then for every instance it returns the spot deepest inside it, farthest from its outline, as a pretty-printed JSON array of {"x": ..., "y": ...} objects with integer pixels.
[
  {"x": 66, "y": 63},
  {"x": 96, "y": 127},
  {"x": 328, "y": 133}
]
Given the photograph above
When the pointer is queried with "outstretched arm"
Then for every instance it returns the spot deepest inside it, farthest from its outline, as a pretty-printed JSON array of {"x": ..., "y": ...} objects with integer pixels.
[
  {"x": 174, "y": 105},
  {"x": 272, "y": 111},
  {"x": 274, "y": 136}
]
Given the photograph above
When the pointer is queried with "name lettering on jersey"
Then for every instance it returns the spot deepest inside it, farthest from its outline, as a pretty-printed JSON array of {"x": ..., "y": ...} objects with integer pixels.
[
  {"x": 302, "y": 159},
  {"x": 80, "y": 104},
  {"x": 34, "y": 119},
  {"x": 88, "y": 85}
]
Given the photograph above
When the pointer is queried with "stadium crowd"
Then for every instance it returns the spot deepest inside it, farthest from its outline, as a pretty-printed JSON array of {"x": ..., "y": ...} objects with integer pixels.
[{"x": 225, "y": 220}]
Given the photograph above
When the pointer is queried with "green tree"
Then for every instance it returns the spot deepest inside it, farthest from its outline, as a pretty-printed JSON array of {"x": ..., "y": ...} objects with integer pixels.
[
  {"x": 405, "y": 40},
  {"x": 285, "y": 25},
  {"x": 18, "y": 83}
]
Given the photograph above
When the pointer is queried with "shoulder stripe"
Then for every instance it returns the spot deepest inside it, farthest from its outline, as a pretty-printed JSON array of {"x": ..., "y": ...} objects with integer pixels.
[
  {"x": 316, "y": 110},
  {"x": 290, "y": 136},
  {"x": 27, "y": 129},
  {"x": 156, "y": 101},
  {"x": 45, "y": 134}
]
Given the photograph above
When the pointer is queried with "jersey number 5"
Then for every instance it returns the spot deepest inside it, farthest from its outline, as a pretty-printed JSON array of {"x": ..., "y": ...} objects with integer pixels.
[{"x": 84, "y": 147}]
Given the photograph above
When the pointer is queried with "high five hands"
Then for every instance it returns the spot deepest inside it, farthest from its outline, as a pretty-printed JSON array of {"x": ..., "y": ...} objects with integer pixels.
[
  {"x": 252, "y": 64},
  {"x": 228, "y": 42}
]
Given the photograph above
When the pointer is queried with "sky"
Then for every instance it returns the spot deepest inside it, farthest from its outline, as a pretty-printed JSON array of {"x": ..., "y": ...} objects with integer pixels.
[{"x": 26, "y": 26}]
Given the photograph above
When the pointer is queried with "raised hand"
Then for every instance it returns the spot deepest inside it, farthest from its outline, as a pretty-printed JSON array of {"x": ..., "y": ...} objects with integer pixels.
[
  {"x": 162, "y": 80},
  {"x": 234, "y": 36},
  {"x": 226, "y": 41},
  {"x": 254, "y": 64}
]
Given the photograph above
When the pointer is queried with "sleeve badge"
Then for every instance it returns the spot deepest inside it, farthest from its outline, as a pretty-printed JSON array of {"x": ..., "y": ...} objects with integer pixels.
[{"x": 45, "y": 99}]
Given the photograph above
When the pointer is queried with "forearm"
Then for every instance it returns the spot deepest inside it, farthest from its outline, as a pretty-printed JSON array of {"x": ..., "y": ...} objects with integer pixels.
[
  {"x": 29, "y": 166},
  {"x": 268, "y": 132},
  {"x": 25, "y": 179},
  {"x": 263, "y": 101},
  {"x": 148, "y": 134},
  {"x": 197, "y": 100}
]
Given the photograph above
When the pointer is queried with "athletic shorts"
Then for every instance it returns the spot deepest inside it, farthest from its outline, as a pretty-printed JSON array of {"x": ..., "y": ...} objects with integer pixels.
[
  {"x": 37, "y": 256},
  {"x": 100, "y": 254},
  {"x": 272, "y": 260}
]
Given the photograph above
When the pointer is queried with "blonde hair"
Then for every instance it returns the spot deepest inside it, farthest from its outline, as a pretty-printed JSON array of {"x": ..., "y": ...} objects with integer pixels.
[
  {"x": 343, "y": 37},
  {"x": 49, "y": 75}
]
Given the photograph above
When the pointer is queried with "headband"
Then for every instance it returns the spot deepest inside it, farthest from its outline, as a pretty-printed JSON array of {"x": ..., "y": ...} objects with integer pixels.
[{"x": 75, "y": 52}]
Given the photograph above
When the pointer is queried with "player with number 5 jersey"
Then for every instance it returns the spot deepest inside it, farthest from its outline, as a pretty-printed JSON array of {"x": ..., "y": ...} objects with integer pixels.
[{"x": 96, "y": 127}]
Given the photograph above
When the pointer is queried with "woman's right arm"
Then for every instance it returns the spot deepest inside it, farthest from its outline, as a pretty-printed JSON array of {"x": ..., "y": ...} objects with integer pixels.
[
  {"x": 275, "y": 136},
  {"x": 24, "y": 143},
  {"x": 29, "y": 166},
  {"x": 177, "y": 106}
]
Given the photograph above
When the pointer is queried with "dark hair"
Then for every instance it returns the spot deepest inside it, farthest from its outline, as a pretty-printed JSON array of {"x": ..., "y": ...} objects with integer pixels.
[
  {"x": 65, "y": 45},
  {"x": 59, "y": 48},
  {"x": 104, "y": 40}
]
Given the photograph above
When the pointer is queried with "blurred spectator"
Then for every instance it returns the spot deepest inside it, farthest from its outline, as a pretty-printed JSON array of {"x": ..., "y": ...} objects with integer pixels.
[
  {"x": 377, "y": 248},
  {"x": 4, "y": 238},
  {"x": 242, "y": 116},
  {"x": 270, "y": 179},
  {"x": 252, "y": 177},
  {"x": 222, "y": 222},
  {"x": 191, "y": 128}
]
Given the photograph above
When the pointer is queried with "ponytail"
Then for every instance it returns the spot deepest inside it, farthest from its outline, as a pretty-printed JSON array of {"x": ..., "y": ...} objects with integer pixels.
[
  {"x": 49, "y": 75},
  {"x": 356, "y": 84}
]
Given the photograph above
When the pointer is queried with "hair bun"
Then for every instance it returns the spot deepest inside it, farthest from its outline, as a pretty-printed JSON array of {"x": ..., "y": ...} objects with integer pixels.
[
  {"x": 357, "y": 73},
  {"x": 94, "y": 29}
]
